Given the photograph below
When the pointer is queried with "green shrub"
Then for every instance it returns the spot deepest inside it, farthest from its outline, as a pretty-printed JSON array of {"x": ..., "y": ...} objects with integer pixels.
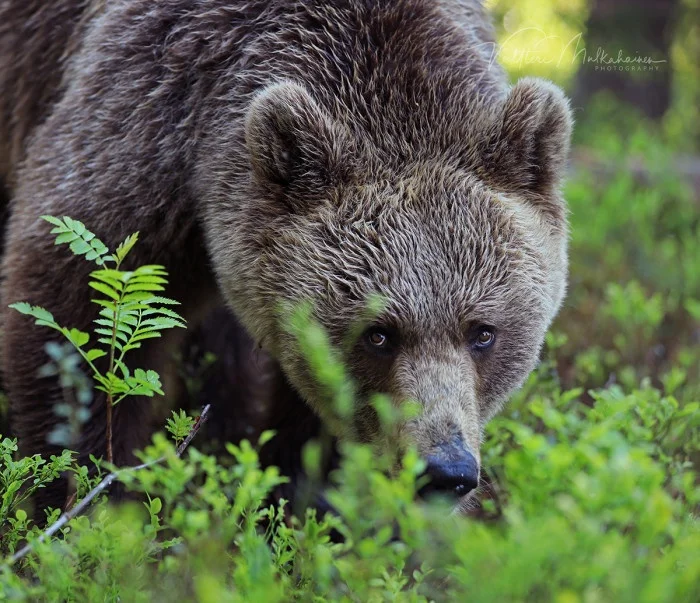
[{"x": 593, "y": 503}]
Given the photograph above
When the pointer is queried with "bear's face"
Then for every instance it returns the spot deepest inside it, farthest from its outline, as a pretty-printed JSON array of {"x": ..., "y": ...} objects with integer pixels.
[{"x": 469, "y": 272}]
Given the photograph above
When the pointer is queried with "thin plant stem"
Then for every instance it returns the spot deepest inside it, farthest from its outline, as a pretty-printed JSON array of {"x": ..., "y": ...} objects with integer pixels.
[
  {"x": 110, "y": 398},
  {"x": 103, "y": 485}
]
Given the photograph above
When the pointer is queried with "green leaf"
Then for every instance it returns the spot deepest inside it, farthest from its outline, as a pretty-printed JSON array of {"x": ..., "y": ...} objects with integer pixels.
[
  {"x": 171, "y": 313},
  {"x": 132, "y": 288},
  {"x": 143, "y": 390},
  {"x": 107, "y": 304},
  {"x": 75, "y": 225},
  {"x": 79, "y": 247},
  {"x": 36, "y": 311},
  {"x": 121, "y": 326},
  {"x": 65, "y": 237},
  {"x": 95, "y": 353},
  {"x": 117, "y": 384},
  {"x": 145, "y": 383},
  {"x": 128, "y": 319},
  {"x": 160, "y": 323},
  {"x": 122, "y": 367},
  {"x": 53, "y": 220},
  {"x": 142, "y": 336},
  {"x": 108, "y": 278},
  {"x": 155, "y": 506},
  {"x": 155, "y": 269},
  {"x": 161, "y": 300},
  {"x": 148, "y": 278},
  {"x": 125, "y": 247},
  {"x": 109, "y": 273},
  {"x": 98, "y": 246},
  {"x": 108, "y": 333},
  {"x": 108, "y": 342},
  {"x": 265, "y": 437},
  {"x": 76, "y": 337},
  {"x": 106, "y": 289},
  {"x": 22, "y": 307}
]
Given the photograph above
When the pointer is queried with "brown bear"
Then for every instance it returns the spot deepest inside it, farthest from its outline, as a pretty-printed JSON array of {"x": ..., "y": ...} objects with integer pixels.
[{"x": 277, "y": 151}]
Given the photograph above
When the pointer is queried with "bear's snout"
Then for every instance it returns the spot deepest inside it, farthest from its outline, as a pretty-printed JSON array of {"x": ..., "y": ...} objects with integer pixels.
[{"x": 452, "y": 470}]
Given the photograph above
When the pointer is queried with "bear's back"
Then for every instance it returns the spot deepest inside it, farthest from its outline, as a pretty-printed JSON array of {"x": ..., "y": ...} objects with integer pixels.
[
  {"x": 342, "y": 50},
  {"x": 36, "y": 37}
]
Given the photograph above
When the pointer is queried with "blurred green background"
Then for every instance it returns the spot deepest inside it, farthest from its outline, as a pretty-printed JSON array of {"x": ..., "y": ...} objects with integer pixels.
[{"x": 632, "y": 70}]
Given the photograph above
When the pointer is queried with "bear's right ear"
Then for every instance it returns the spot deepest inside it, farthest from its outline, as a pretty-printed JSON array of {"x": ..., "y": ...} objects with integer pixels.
[{"x": 293, "y": 141}]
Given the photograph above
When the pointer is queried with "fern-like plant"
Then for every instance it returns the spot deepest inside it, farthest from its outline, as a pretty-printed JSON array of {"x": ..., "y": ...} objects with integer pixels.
[{"x": 131, "y": 312}]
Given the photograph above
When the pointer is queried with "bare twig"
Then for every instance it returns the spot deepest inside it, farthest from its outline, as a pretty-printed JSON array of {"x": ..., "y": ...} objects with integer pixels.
[{"x": 101, "y": 487}]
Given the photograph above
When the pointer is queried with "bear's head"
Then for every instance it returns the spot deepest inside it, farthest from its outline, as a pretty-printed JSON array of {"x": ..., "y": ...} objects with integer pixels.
[{"x": 463, "y": 238}]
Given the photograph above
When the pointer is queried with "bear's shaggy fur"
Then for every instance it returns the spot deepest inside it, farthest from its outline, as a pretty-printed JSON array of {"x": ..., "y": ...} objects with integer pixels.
[{"x": 276, "y": 151}]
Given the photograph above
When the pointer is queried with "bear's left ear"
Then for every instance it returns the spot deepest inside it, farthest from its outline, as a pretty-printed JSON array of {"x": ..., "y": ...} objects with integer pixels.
[
  {"x": 293, "y": 141},
  {"x": 527, "y": 145}
]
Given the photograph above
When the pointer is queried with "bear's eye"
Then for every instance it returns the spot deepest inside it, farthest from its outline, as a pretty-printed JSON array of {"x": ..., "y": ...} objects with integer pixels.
[
  {"x": 377, "y": 338},
  {"x": 484, "y": 338}
]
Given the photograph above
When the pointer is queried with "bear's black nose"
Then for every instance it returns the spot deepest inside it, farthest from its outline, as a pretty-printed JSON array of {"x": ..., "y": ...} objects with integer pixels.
[{"x": 453, "y": 470}]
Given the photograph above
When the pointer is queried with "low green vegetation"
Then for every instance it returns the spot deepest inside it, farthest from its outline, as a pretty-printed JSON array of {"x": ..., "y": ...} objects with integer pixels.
[{"x": 591, "y": 490}]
